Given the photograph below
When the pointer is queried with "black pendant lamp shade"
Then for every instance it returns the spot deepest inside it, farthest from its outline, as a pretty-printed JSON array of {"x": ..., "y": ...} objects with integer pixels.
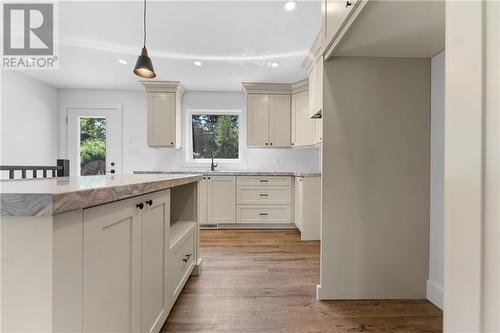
[{"x": 144, "y": 66}]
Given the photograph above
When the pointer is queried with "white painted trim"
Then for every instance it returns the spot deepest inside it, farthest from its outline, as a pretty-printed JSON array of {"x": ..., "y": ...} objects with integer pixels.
[
  {"x": 435, "y": 293},
  {"x": 80, "y": 106}
]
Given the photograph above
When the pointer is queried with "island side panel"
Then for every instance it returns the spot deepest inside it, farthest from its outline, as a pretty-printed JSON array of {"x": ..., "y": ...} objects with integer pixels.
[
  {"x": 68, "y": 272},
  {"x": 26, "y": 273}
]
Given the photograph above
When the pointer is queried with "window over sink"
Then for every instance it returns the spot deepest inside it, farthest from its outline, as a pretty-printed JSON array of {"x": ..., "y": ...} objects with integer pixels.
[{"x": 214, "y": 134}]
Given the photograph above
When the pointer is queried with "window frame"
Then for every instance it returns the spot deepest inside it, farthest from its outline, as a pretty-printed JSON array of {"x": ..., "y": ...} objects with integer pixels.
[{"x": 189, "y": 132}]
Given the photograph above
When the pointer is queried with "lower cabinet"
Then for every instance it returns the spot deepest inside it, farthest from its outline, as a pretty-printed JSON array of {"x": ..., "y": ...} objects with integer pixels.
[
  {"x": 307, "y": 207},
  {"x": 112, "y": 268},
  {"x": 217, "y": 200},
  {"x": 135, "y": 263},
  {"x": 264, "y": 214}
]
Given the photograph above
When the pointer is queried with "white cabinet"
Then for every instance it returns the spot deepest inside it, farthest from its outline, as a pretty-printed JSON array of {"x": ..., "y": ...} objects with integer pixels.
[
  {"x": 318, "y": 130},
  {"x": 164, "y": 104},
  {"x": 337, "y": 12},
  {"x": 316, "y": 87},
  {"x": 125, "y": 250},
  {"x": 202, "y": 200},
  {"x": 269, "y": 120},
  {"x": 307, "y": 208},
  {"x": 280, "y": 121},
  {"x": 221, "y": 199},
  {"x": 258, "y": 120},
  {"x": 303, "y": 127},
  {"x": 264, "y": 199},
  {"x": 155, "y": 236},
  {"x": 112, "y": 268}
]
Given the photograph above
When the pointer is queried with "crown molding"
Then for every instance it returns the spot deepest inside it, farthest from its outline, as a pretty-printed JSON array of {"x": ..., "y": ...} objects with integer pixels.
[
  {"x": 164, "y": 86},
  {"x": 274, "y": 88}
]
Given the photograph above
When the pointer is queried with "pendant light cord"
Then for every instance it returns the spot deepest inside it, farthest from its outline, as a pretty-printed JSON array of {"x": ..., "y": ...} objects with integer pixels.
[{"x": 144, "y": 22}]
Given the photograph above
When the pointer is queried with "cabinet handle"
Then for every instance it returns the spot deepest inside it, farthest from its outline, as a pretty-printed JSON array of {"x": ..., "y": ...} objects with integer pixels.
[
  {"x": 348, "y": 3},
  {"x": 171, "y": 143},
  {"x": 293, "y": 143},
  {"x": 208, "y": 177},
  {"x": 266, "y": 143},
  {"x": 271, "y": 143},
  {"x": 140, "y": 205},
  {"x": 263, "y": 214},
  {"x": 149, "y": 202},
  {"x": 263, "y": 180},
  {"x": 186, "y": 258},
  {"x": 263, "y": 195}
]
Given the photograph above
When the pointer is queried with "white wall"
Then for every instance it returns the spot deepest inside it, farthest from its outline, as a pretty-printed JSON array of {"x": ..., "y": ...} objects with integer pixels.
[
  {"x": 29, "y": 121},
  {"x": 436, "y": 245},
  {"x": 138, "y": 156}
]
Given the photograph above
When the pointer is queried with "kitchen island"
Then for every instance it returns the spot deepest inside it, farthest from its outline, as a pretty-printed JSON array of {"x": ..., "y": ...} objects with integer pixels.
[{"x": 96, "y": 253}]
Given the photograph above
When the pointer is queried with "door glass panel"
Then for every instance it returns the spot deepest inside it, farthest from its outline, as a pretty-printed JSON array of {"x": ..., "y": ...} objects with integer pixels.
[{"x": 92, "y": 146}]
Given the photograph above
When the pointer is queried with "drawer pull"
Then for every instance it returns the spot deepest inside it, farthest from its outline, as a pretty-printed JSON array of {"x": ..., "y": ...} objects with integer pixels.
[
  {"x": 263, "y": 195},
  {"x": 263, "y": 214},
  {"x": 186, "y": 259},
  {"x": 263, "y": 180}
]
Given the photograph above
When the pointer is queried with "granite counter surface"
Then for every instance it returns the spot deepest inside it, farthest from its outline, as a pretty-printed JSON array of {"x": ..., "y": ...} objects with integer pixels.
[
  {"x": 50, "y": 196},
  {"x": 237, "y": 173}
]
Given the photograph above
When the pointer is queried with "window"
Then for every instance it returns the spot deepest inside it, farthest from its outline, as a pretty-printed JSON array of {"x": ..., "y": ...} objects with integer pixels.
[
  {"x": 214, "y": 135},
  {"x": 92, "y": 146}
]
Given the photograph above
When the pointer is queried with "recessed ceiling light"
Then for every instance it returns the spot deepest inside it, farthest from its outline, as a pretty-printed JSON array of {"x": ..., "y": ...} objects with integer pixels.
[
  {"x": 198, "y": 63},
  {"x": 122, "y": 61},
  {"x": 290, "y": 5},
  {"x": 274, "y": 64}
]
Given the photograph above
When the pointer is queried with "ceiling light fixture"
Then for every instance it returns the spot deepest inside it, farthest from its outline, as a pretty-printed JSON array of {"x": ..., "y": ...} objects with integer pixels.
[
  {"x": 122, "y": 61},
  {"x": 198, "y": 63},
  {"x": 274, "y": 64},
  {"x": 144, "y": 66},
  {"x": 290, "y": 5}
]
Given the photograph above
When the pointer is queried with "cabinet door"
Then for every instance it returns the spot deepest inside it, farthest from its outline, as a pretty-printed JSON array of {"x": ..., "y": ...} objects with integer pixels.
[
  {"x": 162, "y": 119},
  {"x": 258, "y": 120},
  {"x": 202, "y": 201},
  {"x": 112, "y": 267},
  {"x": 303, "y": 127},
  {"x": 279, "y": 121},
  {"x": 221, "y": 199},
  {"x": 298, "y": 202},
  {"x": 316, "y": 88},
  {"x": 155, "y": 244},
  {"x": 318, "y": 130},
  {"x": 337, "y": 12}
]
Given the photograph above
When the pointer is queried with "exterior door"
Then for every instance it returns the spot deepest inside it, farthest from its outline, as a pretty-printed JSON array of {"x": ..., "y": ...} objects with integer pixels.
[{"x": 94, "y": 140}]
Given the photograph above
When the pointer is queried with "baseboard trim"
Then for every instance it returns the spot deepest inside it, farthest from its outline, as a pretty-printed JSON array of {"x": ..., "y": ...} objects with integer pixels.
[
  {"x": 319, "y": 297},
  {"x": 435, "y": 293}
]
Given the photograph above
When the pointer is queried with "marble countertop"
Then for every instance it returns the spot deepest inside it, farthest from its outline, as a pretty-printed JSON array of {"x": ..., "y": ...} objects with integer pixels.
[
  {"x": 237, "y": 173},
  {"x": 50, "y": 196}
]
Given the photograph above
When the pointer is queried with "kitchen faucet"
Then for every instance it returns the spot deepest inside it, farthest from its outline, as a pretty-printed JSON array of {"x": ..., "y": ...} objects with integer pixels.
[{"x": 213, "y": 165}]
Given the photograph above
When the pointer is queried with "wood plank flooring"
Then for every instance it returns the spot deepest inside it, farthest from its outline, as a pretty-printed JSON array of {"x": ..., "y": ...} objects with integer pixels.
[{"x": 264, "y": 281}]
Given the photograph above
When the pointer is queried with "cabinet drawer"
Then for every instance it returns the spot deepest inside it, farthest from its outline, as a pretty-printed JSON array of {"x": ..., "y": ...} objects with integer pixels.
[
  {"x": 263, "y": 214},
  {"x": 264, "y": 180},
  {"x": 270, "y": 195},
  {"x": 182, "y": 259}
]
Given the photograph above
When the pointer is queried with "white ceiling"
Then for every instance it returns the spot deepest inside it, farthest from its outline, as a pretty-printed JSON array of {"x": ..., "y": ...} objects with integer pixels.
[
  {"x": 235, "y": 40},
  {"x": 396, "y": 29}
]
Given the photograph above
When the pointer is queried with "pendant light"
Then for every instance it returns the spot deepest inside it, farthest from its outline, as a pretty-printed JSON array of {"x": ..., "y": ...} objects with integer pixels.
[{"x": 144, "y": 66}]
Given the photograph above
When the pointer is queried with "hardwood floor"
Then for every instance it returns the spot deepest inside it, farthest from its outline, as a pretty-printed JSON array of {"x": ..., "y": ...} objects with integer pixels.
[{"x": 264, "y": 281}]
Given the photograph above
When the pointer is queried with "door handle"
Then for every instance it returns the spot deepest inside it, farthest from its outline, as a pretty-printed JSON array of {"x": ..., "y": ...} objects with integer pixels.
[
  {"x": 186, "y": 258},
  {"x": 263, "y": 214}
]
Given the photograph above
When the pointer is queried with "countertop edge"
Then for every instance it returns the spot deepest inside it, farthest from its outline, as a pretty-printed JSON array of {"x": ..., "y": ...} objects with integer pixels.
[
  {"x": 48, "y": 204},
  {"x": 236, "y": 173}
]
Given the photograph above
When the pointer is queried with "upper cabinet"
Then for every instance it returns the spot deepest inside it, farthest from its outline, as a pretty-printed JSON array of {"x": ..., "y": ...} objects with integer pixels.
[
  {"x": 268, "y": 114},
  {"x": 338, "y": 16},
  {"x": 316, "y": 88},
  {"x": 164, "y": 104},
  {"x": 303, "y": 128}
]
